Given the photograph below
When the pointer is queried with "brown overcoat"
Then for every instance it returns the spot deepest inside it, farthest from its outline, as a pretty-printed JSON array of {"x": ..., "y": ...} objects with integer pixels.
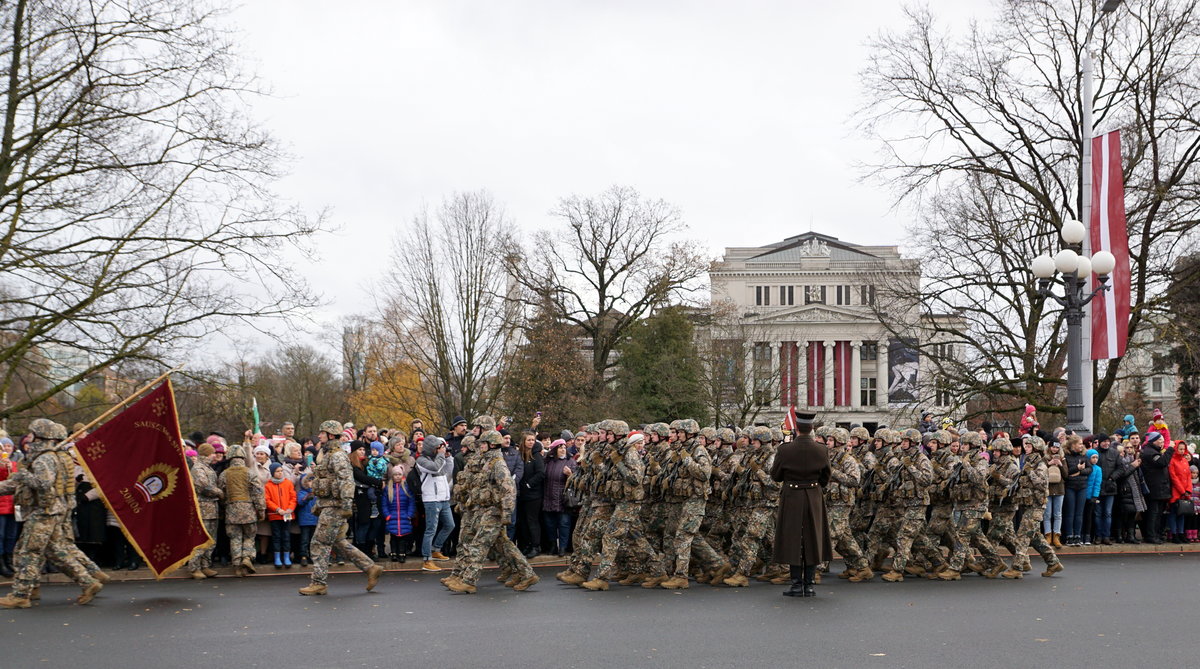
[{"x": 802, "y": 529}]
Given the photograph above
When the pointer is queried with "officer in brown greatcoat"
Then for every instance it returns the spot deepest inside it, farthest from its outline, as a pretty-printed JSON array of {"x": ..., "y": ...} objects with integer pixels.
[{"x": 802, "y": 530}]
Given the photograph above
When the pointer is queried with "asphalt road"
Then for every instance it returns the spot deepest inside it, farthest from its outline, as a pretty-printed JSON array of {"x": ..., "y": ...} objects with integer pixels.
[{"x": 1135, "y": 610}]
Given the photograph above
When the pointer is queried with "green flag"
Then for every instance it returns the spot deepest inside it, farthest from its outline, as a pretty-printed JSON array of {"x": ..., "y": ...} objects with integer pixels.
[{"x": 254, "y": 412}]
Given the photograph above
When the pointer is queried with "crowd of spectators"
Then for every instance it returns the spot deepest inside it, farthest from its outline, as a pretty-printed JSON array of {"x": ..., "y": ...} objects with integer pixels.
[{"x": 1133, "y": 486}]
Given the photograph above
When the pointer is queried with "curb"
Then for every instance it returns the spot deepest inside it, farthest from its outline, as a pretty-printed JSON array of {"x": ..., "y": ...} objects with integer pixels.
[{"x": 144, "y": 574}]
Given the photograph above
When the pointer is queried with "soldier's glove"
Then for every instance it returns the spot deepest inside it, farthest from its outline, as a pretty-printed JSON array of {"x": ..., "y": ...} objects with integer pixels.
[
  {"x": 346, "y": 511},
  {"x": 907, "y": 461},
  {"x": 262, "y": 515}
]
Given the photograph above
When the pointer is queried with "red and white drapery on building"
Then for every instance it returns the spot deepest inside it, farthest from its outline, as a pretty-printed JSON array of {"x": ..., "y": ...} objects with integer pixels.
[{"x": 817, "y": 365}]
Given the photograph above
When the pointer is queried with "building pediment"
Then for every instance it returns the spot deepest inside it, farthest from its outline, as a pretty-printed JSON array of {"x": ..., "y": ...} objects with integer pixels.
[{"x": 814, "y": 313}]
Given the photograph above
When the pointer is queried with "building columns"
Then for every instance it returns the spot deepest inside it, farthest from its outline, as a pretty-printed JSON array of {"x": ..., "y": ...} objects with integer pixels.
[
  {"x": 881, "y": 383},
  {"x": 777, "y": 372},
  {"x": 802, "y": 373},
  {"x": 829, "y": 399},
  {"x": 855, "y": 374}
]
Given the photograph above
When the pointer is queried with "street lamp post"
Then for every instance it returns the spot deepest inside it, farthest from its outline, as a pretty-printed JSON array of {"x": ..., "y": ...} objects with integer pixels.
[
  {"x": 1085, "y": 173},
  {"x": 1075, "y": 269}
]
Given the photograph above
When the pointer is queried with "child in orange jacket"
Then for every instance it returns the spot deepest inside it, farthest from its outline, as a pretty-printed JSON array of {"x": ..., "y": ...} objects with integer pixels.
[{"x": 281, "y": 508}]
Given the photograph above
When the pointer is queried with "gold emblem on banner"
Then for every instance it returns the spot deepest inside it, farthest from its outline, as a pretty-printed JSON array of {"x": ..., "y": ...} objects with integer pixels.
[
  {"x": 96, "y": 449},
  {"x": 157, "y": 481}
]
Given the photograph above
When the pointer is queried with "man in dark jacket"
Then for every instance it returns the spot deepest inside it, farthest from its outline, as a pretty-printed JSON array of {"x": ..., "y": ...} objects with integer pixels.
[
  {"x": 1154, "y": 470},
  {"x": 802, "y": 529},
  {"x": 1110, "y": 464},
  {"x": 458, "y": 430}
]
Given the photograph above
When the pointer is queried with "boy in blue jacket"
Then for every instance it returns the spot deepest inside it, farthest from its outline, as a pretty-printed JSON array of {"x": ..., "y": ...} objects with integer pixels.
[{"x": 305, "y": 518}]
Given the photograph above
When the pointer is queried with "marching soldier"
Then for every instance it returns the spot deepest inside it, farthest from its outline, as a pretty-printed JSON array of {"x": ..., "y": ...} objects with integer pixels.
[
  {"x": 1003, "y": 476},
  {"x": 756, "y": 499},
  {"x": 333, "y": 486},
  {"x": 909, "y": 475},
  {"x": 840, "y": 494},
  {"x": 42, "y": 487},
  {"x": 1033, "y": 486},
  {"x": 969, "y": 490}
]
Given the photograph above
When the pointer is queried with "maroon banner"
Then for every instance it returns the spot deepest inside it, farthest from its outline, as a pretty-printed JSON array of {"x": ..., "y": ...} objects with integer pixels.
[{"x": 136, "y": 461}]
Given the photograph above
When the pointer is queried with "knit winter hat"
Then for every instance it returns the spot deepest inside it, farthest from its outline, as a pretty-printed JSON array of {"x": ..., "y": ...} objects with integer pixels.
[
  {"x": 274, "y": 467},
  {"x": 262, "y": 449},
  {"x": 1091, "y": 451},
  {"x": 190, "y": 453}
]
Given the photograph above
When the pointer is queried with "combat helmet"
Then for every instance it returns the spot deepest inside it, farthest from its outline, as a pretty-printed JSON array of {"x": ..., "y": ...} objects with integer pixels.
[
  {"x": 942, "y": 437},
  {"x": 1037, "y": 444},
  {"x": 777, "y": 435},
  {"x": 823, "y": 431},
  {"x": 661, "y": 429},
  {"x": 689, "y": 426},
  {"x": 468, "y": 441},
  {"x": 618, "y": 427},
  {"x": 859, "y": 432},
  {"x": 332, "y": 428},
  {"x": 492, "y": 438},
  {"x": 840, "y": 435},
  {"x": 912, "y": 434},
  {"x": 760, "y": 434},
  {"x": 971, "y": 439},
  {"x": 726, "y": 436},
  {"x": 676, "y": 425},
  {"x": 47, "y": 430},
  {"x": 892, "y": 437},
  {"x": 709, "y": 433},
  {"x": 1002, "y": 444},
  {"x": 485, "y": 423},
  {"x": 881, "y": 433},
  {"x": 238, "y": 451}
]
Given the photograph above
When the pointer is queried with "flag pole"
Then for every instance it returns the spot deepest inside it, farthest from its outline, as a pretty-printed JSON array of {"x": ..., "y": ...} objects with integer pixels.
[{"x": 116, "y": 407}]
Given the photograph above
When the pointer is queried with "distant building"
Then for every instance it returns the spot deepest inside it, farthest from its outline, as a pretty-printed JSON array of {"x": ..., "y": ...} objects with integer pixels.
[{"x": 806, "y": 321}]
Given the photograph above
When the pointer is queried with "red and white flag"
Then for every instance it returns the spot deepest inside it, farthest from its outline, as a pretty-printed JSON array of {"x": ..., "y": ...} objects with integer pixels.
[
  {"x": 1110, "y": 309},
  {"x": 789, "y": 421}
]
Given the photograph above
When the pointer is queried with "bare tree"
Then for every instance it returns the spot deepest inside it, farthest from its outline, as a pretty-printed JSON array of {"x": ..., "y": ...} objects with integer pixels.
[
  {"x": 613, "y": 261},
  {"x": 734, "y": 391},
  {"x": 981, "y": 134},
  {"x": 445, "y": 307},
  {"x": 134, "y": 212}
]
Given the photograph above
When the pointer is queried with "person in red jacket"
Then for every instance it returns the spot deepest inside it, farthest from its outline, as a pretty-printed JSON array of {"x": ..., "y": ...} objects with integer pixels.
[
  {"x": 281, "y": 508},
  {"x": 1180, "y": 474},
  {"x": 8, "y": 519},
  {"x": 1159, "y": 424}
]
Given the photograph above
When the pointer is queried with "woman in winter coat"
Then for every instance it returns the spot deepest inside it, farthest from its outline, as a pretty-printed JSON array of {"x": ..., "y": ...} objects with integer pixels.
[
  {"x": 1130, "y": 500},
  {"x": 1154, "y": 470},
  {"x": 529, "y": 496},
  {"x": 1052, "y": 519},
  {"x": 1079, "y": 470},
  {"x": 1181, "y": 488},
  {"x": 368, "y": 517},
  {"x": 555, "y": 514},
  {"x": 399, "y": 507}
]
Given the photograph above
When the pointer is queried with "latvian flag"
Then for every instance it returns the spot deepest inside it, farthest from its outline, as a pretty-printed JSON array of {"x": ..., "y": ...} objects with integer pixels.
[{"x": 1110, "y": 309}]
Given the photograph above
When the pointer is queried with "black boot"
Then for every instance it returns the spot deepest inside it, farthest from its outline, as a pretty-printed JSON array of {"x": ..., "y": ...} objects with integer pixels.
[
  {"x": 810, "y": 575},
  {"x": 5, "y": 570},
  {"x": 797, "y": 587}
]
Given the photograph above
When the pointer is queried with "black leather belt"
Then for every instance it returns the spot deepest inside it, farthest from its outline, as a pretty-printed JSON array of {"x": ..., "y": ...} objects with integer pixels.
[{"x": 801, "y": 484}]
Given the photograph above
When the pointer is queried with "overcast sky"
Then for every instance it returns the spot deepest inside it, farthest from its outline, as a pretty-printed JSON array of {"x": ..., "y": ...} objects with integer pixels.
[{"x": 740, "y": 113}]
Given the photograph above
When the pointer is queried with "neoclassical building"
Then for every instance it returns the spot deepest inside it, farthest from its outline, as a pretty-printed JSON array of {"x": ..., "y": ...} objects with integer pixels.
[{"x": 805, "y": 314}]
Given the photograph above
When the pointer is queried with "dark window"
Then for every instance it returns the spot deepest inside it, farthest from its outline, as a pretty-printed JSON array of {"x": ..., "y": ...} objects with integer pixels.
[
  {"x": 868, "y": 391},
  {"x": 869, "y": 350}
]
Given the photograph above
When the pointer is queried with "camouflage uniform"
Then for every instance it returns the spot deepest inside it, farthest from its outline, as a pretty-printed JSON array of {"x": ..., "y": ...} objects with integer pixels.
[
  {"x": 970, "y": 494},
  {"x": 910, "y": 475},
  {"x": 1032, "y": 490},
  {"x": 208, "y": 494},
  {"x": 589, "y": 531},
  {"x": 886, "y": 517},
  {"x": 939, "y": 531},
  {"x": 756, "y": 497},
  {"x": 493, "y": 498},
  {"x": 863, "y": 512},
  {"x": 333, "y": 488},
  {"x": 1004, "y": 473},
  {"x": 690, "y": 487},
  {"x": 244, "y": 507},
  {"x": 839, "y": 500},
  {"x": 42, "y": 488},
  {"x": 625, "y": 485}
]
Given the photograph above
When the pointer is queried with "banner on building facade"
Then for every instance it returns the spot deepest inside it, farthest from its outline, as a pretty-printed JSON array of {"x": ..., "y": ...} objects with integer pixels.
[{"x": 903, "y": 368}]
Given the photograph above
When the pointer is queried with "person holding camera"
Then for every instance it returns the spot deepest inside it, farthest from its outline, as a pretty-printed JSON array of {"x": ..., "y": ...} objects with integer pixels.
[{"x": 436, "y": 469}]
